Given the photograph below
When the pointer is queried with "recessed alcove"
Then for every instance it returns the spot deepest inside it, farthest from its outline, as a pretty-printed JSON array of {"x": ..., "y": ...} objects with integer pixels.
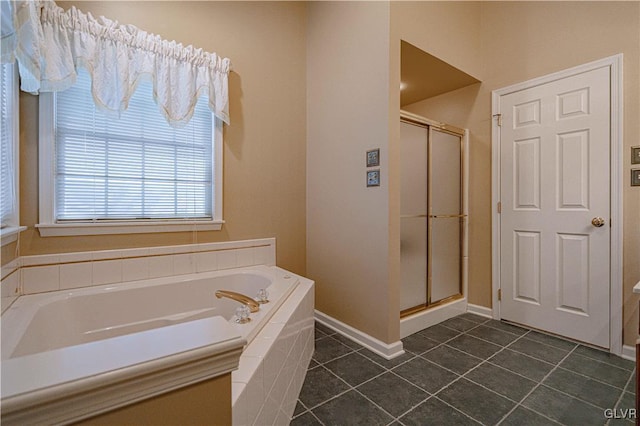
[{"x": 424, "y": 76}]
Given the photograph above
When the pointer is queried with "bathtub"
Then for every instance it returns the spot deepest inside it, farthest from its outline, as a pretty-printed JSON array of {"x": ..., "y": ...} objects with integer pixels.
[{"x": 166, "y": 320}]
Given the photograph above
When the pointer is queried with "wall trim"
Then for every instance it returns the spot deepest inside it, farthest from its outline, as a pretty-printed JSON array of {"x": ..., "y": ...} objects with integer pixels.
[
  {"x": 432, "y": 316},
  {"x": 385, "y": 350},
  {"x": 483, "y": 311},
  {"x": 628, "y": 352},
  {"x": 615, "y": 63}
]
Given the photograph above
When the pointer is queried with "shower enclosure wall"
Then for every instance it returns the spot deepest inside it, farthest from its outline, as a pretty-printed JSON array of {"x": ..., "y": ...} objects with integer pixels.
[{"x": 433, "y": 222}]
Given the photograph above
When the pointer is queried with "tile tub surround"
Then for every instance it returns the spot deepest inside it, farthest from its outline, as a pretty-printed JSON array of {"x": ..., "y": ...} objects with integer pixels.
[
  {"x": 466, "y": 370},
  {"x": 265, "y": 388},
  {"x": 10, "y": 287},
  {"x": 267, "y": 384},
  {"x": 52, "y": 272}
]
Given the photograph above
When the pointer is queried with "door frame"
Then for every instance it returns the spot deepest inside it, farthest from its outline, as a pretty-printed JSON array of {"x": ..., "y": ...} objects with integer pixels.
[{"x": 616, "y": 186}]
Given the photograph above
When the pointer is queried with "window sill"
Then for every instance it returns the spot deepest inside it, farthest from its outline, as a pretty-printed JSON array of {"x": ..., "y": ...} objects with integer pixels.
[
  {"x": 10, "y": 234},
  {"x": 71, "y": 229}
]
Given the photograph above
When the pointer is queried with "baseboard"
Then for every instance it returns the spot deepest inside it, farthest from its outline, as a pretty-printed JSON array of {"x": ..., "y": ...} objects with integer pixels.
[
  {"x": 628, "y": 352},
  {"x": 430, "y": 317},
  {"x": 387, "y": 351},
  {"x": 480, "y": 310}
]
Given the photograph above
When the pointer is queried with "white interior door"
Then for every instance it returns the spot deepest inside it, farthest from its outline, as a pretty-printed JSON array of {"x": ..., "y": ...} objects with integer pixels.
[{"x": 554, "y": 187}]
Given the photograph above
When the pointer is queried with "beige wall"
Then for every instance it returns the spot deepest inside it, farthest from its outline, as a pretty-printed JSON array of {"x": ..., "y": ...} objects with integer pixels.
[
  {"x": 448, "y": 30},
  {"x": 524, "y": 40},
  {"x": 347, "y": 114},
  {"x": 265, "y": 150}
]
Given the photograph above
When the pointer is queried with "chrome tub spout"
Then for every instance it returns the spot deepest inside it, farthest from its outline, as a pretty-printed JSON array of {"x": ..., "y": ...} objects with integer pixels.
[{"x": 241, "y": 298}]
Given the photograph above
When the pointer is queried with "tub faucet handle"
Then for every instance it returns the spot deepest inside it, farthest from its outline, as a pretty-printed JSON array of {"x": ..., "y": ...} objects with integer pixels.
[
  {"x": 263, "y": 296},
  {"x": 242, "y": 314}
]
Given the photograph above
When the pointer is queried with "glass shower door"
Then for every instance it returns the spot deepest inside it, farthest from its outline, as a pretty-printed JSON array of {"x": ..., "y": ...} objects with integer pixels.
[
  {"x": 446, "y": 218},
  {"x": 413, "y": 216},
  {"x": 431, "y": 216}
]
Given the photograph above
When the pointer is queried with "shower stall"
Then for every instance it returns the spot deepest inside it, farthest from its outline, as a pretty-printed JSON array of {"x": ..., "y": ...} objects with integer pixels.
[{"x": 433, "y": 222}]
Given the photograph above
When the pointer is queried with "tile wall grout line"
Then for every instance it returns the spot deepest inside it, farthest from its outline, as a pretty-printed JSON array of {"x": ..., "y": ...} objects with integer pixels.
[{"x": 141, "y": 256}]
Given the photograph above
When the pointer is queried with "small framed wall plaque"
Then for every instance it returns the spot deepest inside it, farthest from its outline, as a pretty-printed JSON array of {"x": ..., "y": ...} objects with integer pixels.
[
  {"x": 373, "y": 178},
  {"x": 373, "y": 158},
  {"x": 635, "y": 177},
  {"x": 635, "y": 155}
]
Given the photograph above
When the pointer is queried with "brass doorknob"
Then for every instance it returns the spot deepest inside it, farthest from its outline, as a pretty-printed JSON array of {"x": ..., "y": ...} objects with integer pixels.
[{"x": 598, "y": 222}]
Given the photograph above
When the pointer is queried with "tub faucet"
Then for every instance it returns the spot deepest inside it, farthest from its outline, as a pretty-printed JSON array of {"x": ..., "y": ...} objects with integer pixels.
[{"x": 245, "y": 300}]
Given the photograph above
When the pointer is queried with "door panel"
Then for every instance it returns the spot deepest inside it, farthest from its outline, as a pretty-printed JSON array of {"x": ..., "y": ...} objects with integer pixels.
[
  {"x": 445, "y": 258},
  {"x": 446, "y": 183},
  {"x": 573, "y": 273},
  {"x": 413, "y": 219},
  {"x": 445, "y": 215},
  {"x": 526, "y": 174},
  {"x": 413, "y": 261},
  {"x": 526, "y": 268},
  {"x": 555, "y": 168}
]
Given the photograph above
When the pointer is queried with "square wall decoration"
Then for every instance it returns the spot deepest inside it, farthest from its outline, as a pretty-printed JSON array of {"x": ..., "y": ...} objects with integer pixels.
[
  {"x": 373, "y": 158},
  {"x": 635, "y": 155},
  {"x": 635, "y": 177},
  {"x": 373, "y": 178}
]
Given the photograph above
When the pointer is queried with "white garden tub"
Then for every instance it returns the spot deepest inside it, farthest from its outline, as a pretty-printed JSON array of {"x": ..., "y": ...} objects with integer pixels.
[{"x": 59, "y": 344}]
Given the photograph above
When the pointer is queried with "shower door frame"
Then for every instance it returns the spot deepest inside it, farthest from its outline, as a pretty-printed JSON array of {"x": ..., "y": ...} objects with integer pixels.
[{"x": 429, "y": 125}]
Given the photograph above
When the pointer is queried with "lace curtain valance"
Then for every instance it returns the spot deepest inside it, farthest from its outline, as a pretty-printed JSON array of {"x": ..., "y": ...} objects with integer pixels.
[{"x": 50, "y": 43}]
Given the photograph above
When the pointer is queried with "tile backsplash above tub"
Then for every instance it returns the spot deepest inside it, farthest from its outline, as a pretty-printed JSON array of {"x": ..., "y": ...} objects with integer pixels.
[
  {"x": 10, "y": 288},
  {"x": 64, "y": 271}
]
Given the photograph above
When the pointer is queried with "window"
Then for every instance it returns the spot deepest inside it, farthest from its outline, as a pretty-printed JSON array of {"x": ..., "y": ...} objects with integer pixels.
[
  {"x": 9, "y": 217},
  {"x": 134, "y": 173}
]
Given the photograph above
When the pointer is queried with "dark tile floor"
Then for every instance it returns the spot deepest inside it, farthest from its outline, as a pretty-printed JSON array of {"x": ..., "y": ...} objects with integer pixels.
[{"x": 466, "y": 370}]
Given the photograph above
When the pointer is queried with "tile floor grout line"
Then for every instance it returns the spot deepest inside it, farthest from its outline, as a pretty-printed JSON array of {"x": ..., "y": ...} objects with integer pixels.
[
  {"x": 390, "y": 371},
  {"x": 476, "y": 325},
  {"x": 615, "y": 406},
  {"x": 577, "y": 373},
  {"x": 508, "y": 346},
  {"x": 351, "y": 351},
  {"x": 354, "y": 388},
  {"x": 459, "y": 376},
  {"x": 605, "y": 363},
  {"x": 538, "y": 384},
  {"x": 306, "y": 409},
  {"x": 311, "y": 408},
  {"x": 486, "y": 360},
  {"x": 457, "y": 409},
  {"x": 557, "y": 365},
  {"x": 385, "y": 411}
]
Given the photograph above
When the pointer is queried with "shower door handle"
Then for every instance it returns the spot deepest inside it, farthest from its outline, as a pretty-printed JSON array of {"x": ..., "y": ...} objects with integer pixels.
[{"x": 447, "y": 216}]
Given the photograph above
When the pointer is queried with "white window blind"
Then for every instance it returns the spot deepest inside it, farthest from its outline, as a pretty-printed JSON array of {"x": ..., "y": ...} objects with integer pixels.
[
  {"x": 8, "y": 168},
  {"x": 132, "y": 167}
]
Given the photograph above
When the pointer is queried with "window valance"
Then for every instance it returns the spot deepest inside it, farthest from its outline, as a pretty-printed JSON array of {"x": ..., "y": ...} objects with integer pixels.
[{"x": 50, "y": 43}]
